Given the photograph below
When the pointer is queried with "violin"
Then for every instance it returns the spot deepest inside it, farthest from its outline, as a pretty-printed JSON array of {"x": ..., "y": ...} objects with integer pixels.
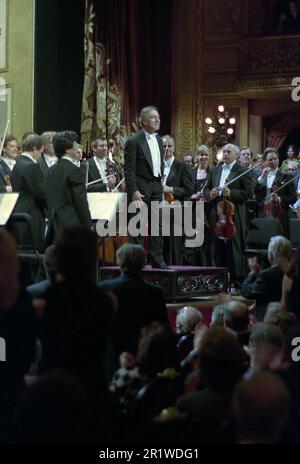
[
  {"x": 272, "y": 208},
  {"x": 225, "y": 228}
]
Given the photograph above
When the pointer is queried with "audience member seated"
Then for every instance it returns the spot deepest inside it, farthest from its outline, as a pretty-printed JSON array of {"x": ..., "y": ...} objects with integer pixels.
[
  {"x": 290, "y": 374},
  {"x": 144, "y": 392},
  {"x": 54, "y": 409},
  {"x": 17, "y": 329},
  {"x": 291, "y": 286},
  {"x": 77, "y": 317},
  {"x": 265, "y": 285},
  {"x": 221, "y": 364},
  {"x": 186, "y": 321},
  {"x": 236, "y": 318},
  {"x": 266, "y": 348},
  {"x": 261, "y": 407},
  {"x": 217, "y": 316},
  {"x": 38, "y": 290},
  {"x": 272, "y": 310},
  {"x": 139, "y": 302},
  {"x": 284, "y": 321}
]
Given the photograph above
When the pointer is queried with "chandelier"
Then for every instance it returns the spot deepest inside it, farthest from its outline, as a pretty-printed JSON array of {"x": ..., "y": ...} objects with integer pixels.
[{"x": 221, "y": 127}]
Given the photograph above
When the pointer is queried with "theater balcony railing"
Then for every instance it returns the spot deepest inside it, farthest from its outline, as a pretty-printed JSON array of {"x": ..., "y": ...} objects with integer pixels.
[{"x": 267, "y": 65}]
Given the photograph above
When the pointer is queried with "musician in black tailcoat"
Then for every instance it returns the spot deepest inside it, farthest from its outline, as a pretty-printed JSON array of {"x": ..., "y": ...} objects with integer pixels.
[
  {"x": 66, "y": 187},
  {"x": 271, "y": 179},
  {"x": 230, "y": 252}
]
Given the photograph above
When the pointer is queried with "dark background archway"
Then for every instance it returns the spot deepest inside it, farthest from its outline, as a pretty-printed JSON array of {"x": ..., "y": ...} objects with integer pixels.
[{"x": 59, "y": 61}]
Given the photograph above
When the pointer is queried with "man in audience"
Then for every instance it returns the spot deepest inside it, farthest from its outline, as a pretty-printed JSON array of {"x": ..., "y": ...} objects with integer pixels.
[
  {"x": 27, "y": 180},
  {"x": 221, "y": 363},
  {"x": 236, "y": 318},
  {"x": 48, "y": 157},
  {"x": 273, "y": 309},
  {"x": 139, "y": 301},
  {"x": 261, "y": 407},
  {"x": 265, "y": 285},
  {"x": 187, "y": 320},
  {"x": 66, "y": 187},
  {"x": 217, "y": 316},
  {"x": 266, "y": 348}
]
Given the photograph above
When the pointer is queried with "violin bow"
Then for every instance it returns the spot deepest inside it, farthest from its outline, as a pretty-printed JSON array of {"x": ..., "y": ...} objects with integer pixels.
[
  {"x": 117, "y": 186},
  {"x": 282, "y": 186},
  {"x": 242, "y": 174},
  {"x": 98, "y": 180}
]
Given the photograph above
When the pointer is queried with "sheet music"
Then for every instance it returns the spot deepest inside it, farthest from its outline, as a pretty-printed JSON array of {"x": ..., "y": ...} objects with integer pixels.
[
  {"x": 104, "y": 205},
  {"x": 7, "y": 203}
]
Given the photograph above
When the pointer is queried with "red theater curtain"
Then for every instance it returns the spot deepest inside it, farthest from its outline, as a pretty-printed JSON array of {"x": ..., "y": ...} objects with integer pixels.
[{"x": 127, "y": 66}]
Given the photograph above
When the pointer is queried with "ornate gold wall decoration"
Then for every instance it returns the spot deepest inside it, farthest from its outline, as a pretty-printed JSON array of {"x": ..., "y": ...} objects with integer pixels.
[
  {"x": 187, "y": 93},
  {"x": 223, "y": 19}
]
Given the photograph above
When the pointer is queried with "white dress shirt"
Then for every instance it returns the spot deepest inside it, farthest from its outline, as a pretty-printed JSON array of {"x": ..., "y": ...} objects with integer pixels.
[
  {"x": 226, "y": 168},
  {"x": 50, "y": 160},
  {"x": 167, "y": 168},
  {"x": 270, "y": 178},
  {"x": 10, "y": 163},
  {"x": 101, "y": 164},
  {"x": 155, "y": 153}
]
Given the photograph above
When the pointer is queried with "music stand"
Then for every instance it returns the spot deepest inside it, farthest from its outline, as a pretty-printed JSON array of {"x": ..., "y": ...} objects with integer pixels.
[
  {"x": 7, "y": 203},
  {"x": 104, "y": 206}
]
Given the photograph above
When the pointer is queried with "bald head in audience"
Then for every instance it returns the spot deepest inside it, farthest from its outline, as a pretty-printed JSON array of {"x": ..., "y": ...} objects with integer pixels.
[{"x": 236, "y": 316}]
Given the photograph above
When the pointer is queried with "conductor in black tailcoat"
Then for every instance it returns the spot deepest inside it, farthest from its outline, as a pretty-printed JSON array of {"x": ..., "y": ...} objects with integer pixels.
[
  {"x": 66, "y": 187},
  {"x": 143, "y": 157}
]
